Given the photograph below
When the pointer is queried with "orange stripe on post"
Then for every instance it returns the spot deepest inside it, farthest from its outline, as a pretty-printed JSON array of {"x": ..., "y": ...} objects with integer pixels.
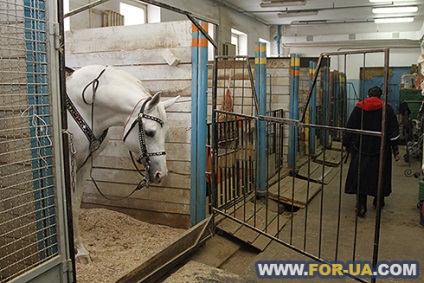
[
  {"x": 203, "y": 42},
  {"x": 203, "y": 25},
  {"x": 195, "y": 42},
  {"x": 199, "y": 42},
  {"x": 295, "y": 73}
]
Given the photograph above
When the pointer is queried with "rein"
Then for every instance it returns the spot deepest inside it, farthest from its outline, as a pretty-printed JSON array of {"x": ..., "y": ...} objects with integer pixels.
[{"x": 95, "y": 143}]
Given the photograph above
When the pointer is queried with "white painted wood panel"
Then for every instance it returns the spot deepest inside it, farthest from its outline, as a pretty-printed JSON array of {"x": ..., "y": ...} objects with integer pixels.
[
  {"x": 128, "y": 57},
  {"x": 148, "y": 36}
]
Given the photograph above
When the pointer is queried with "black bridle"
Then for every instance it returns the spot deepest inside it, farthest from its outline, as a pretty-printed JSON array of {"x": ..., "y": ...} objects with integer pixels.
[{"x": 144, "y": 157}]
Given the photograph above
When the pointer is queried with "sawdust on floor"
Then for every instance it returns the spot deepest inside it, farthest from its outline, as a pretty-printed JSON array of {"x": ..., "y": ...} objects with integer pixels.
[
  {"x": 118, "y": 243},
  {"x": 196, "y": 272}
]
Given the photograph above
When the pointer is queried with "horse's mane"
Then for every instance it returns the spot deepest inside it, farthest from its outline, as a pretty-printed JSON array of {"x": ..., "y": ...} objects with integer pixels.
[
  {"x": 131, "y": 79},
  {"x": 140, "y": 85}
]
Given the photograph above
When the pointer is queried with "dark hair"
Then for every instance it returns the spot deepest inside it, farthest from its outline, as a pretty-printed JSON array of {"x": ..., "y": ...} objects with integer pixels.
[{"x": 375, "y": 91}]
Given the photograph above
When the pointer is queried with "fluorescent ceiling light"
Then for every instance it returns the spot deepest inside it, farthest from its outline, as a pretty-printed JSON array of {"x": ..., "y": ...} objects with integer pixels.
[
  {"x": 388, "y": 1},
  {"x": 287, "y": 14},
  {"x": 390, "y": 10},
  {"x": 313, "y": 22},
  {"x": 282, "y": 3},
  {"x": 394, "y": 20}
]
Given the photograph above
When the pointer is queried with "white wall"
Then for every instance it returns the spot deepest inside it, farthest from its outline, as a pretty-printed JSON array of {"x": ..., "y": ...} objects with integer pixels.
[
  {"x": 314, "y": 40},
  {"x": 403, "y": 42},
  {"x": 89, "y": 18},
  {"x": 225, "y": 17}
]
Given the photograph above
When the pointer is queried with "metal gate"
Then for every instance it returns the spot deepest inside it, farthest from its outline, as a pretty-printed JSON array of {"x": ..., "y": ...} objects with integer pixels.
[
  {"x": 301, "y": 204},
  {"x": 33, "y": 242}
]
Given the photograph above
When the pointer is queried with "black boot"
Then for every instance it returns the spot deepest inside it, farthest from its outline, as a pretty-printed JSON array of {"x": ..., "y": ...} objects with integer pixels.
[
  {"x": 361, "y": 207},
  {"x": 374, "y": 202}
]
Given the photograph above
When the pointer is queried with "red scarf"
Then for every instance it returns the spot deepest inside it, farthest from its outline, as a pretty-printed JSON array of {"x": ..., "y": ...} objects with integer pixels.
[{"x": 370, "y": 104}]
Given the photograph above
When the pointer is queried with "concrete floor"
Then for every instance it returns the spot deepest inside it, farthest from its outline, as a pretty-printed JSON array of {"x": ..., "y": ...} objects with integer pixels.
[{"x": 401, "y": 236}]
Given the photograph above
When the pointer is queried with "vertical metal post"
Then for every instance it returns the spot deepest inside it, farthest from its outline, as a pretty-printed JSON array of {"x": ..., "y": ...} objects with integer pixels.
[
  {"x": 279, "y": 40},
  {"x": 312, "y": 109},
  {"x": 63, "y": 155},
  {"x": 325, "y": 105},
  {"x": 260, "y": 85},
  {"x": 383, "y": 144},
  {"x": 343, "y": 99},
  {"x": 336, "y": 99},
  {"x": 199, "y": 115},
  {"x": 194, "y": 120},
  {"x": 202, "y": 124},
  {"x": 294, "y": 111},
  {"x": 214, "y": 143}
]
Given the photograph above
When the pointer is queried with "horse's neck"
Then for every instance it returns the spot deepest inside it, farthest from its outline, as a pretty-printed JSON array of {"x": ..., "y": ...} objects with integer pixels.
[
  {"x": 114, "y": 108},
  {"x": 115, "y": 97}
]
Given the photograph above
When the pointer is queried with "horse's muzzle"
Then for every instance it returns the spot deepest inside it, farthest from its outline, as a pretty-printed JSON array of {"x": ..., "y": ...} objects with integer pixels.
[
  {"x": 154, "y": 177},
  {"x": 157, "y": 177}
]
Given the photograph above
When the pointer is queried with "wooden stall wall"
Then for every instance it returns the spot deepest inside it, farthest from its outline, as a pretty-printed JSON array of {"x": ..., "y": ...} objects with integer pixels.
[{"x": 147, "y": 52}]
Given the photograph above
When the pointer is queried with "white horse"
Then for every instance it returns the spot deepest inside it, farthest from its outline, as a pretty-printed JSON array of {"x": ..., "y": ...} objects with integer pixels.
[{"x": 99, "y": 97}]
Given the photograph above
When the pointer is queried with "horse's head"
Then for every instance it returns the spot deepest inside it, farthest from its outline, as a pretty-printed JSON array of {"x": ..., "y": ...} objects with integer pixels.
[{"x": 146, "y": 136}]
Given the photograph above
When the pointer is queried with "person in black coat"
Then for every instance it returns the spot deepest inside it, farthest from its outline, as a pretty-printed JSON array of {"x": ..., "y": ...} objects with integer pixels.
[{"x": 362, "y": 177}]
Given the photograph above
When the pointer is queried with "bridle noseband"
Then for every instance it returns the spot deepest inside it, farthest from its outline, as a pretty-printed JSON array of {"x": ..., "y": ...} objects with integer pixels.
[{"x": 144, "y": 157}]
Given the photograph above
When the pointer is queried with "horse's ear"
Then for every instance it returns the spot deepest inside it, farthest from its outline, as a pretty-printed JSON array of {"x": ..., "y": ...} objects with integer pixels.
[
  {"x": 170, "y": 102},
  {"x": 155, "y": 100}
]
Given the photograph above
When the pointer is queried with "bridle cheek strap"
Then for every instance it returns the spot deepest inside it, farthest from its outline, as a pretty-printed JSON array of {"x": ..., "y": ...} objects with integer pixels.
[{"x": 144, "y": 157}]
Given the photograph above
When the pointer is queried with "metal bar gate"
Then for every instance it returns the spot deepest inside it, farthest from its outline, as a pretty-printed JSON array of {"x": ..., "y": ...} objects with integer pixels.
[
  {"x": 33, "y": 245},
  {"x": 304, "y": 207}
]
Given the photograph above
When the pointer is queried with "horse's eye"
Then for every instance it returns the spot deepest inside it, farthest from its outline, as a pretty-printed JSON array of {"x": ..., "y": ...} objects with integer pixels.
[{"x": 150, "y": 134}]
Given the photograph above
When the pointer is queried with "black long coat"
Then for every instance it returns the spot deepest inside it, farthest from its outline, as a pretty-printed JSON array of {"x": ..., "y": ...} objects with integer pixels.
[{"x": 365, "y": 154}]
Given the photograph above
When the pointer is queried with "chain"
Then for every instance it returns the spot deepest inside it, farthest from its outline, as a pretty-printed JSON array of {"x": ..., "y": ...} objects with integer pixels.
[
  {"x": 73, "y": 177},
  {"x": 73, "y": 166}
]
